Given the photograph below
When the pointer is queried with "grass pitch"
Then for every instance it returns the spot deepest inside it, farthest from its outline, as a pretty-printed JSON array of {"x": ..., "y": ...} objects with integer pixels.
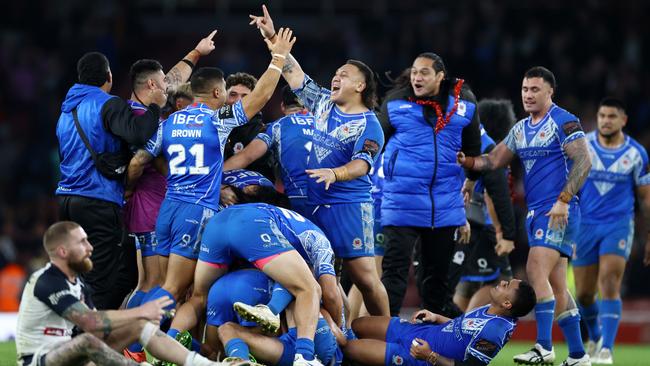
[{"x": 624, "y": 355}]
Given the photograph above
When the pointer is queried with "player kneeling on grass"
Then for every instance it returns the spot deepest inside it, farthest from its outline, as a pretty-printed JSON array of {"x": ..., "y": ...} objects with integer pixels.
[
  {"x": 56, "y": 304},
  {"x": 471, "y": 339}
]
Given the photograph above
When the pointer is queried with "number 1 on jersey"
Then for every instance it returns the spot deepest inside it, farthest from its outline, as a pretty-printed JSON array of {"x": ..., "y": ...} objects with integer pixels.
[{"x": 175, "y": 162}]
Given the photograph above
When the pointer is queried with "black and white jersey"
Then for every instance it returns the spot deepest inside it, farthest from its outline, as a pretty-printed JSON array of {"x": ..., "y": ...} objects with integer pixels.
[{"x": 47, "y": 294}]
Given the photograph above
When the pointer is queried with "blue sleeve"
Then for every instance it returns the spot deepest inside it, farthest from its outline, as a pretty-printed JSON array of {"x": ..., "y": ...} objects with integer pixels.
[
  {"x": 54, "y": 292},
  {"x": 312, "y": 95},
  {"x": 511, "y": 140},
  {"x": 370, "y": 142},
  {"x": 230, "y": 116},
  {"x": 569, "y": 128},
  {"x": 267, "y": 136},
  {"x": 642, "y": 170},
  {"x": 490, "y": 340},
  {"x": 320, "y": 253},
  {"x": 154, "y": 145}
]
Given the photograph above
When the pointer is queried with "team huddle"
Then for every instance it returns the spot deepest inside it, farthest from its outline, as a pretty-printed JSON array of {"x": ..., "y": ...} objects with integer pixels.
[{"x": 238, "y": 272}]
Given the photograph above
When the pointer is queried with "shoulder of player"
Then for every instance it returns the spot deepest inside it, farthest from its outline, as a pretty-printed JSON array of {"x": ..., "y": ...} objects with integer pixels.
[
  {"x": 635, "y": 144},
  {"x": 562, "y": 116},
  {"x": 49, "y": 280}
]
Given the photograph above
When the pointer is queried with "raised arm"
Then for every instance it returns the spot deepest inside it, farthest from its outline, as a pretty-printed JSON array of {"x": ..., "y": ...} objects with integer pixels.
[
  {"x": 291, "y": 71},
  {"x": 263, "y": 91},
  {"x": 499, "y": 157},
  {"x": 181, "y": 72}
]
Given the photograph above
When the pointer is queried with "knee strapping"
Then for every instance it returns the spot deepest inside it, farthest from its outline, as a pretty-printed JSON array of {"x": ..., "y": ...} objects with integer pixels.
[{"x": 148, "y": 330}]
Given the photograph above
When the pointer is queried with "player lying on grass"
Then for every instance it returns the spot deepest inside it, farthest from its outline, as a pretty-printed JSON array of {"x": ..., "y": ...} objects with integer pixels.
[{"x": 471, "y": 339}]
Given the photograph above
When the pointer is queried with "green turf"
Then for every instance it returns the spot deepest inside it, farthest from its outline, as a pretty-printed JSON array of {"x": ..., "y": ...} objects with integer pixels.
[
  {"x": 7, "y": 354},
  {"x": 624, "y": 356}
]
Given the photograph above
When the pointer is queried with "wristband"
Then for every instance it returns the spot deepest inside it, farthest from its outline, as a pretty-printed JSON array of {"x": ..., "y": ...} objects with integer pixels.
[
  {"x": 279, "y": 55},
  {"x": 273, "y": 67},
  {"x": 341, "y": 173},
  {"x": 565, "y": 197},
  {"x": 189, "y": 63},
  {"x": 273, "y": 36}
]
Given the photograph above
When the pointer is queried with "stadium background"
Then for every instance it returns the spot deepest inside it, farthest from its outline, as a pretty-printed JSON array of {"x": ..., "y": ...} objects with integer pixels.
[{"x": 595, "y": 48}]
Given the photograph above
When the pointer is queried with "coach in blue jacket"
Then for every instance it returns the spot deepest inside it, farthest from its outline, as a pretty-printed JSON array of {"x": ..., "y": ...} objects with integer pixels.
[
  {"x": 429, "y": 120},
  {"x": 85, "y": 195}
]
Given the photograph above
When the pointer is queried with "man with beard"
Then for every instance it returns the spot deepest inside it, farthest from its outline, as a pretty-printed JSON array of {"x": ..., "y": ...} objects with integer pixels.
[{"x": 56, "y": 305}]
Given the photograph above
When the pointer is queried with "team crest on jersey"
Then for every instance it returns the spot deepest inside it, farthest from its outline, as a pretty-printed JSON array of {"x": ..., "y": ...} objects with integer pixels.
[
  {"x": 539, "y": 234},
  {"x": 398, "y": 360},
  {"x": 238, "y": 147},
  {"x": 622, "y": 244},
  {"x": 357, "y": 243}
]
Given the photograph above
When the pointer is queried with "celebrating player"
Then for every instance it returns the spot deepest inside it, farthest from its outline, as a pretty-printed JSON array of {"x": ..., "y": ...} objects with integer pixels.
[{"x": 346, "y": 144}]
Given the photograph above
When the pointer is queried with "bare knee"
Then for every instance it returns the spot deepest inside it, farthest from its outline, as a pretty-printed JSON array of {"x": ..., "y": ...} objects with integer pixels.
[
  {"x": 227, "y": 331},
  {"x": 610, "y": 286}
]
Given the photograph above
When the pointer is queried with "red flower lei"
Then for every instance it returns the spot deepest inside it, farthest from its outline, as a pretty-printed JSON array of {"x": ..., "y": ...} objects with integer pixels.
[{"x": 442, "y": 119}]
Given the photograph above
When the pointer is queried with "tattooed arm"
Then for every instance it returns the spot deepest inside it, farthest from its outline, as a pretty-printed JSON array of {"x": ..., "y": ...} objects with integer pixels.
[
  {"x": 499, "y": 157},
  {"x": 136, "y": 167},
  {"x": 182, "y": 70},
  {"x": 103, "y": 323},
  {"x": 578, "y": 152}
]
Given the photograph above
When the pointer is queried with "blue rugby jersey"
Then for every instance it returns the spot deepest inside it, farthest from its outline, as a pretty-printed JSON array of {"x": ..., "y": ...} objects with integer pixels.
[
  {"x": 338, "y": 139},
  {"x": 242, "y": 178},
  {"x": 608, "y": 194},
  {"x": 289, "y": 140},
  {"x": 540, "y": 148},
  {"x": 192, "y": 141}
]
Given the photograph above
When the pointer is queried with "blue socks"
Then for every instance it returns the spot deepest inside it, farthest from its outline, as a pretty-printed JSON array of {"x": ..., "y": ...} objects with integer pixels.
[
  {"x": 173, "y": 333},
  {"x": 544, "y": 314},
  {"x": 280, "y": 299},
  {"x": 236, "y": 347},
  {"x": 610, "y": 316},
  {"x": 590, "y": 315},
  {"x": 305, "y": 347},
  {"x": 569, "y": 322},
  {"x": 135, "y": 301}
]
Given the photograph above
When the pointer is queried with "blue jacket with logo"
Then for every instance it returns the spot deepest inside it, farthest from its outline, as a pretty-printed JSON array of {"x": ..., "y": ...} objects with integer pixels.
[
  {"x": 423, "y": 181},
  {"x": 106, "y": 120}
]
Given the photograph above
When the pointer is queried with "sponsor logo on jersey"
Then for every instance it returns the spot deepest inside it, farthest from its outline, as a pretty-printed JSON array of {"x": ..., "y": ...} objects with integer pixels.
[
  {"x": 238, "y": 147},
  {"x": 622, "y": 244},
  {"x": 59, "y": 332},
  {"x": 530, "y": 214},
  {"x": 462, "y": 109},
  {"x": 539, "y": 234}
]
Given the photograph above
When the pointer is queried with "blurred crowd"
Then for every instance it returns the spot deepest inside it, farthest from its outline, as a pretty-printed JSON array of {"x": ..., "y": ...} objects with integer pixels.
[{"x": 595, "y": 48}]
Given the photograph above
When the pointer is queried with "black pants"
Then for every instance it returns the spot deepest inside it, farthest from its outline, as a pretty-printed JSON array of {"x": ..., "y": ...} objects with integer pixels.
[
  {"x": 435, "y": 254},
  {"x": 114, "y": 270}
]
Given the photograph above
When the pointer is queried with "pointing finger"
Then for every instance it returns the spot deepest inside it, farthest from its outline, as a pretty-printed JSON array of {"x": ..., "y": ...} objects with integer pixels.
[{"x": 212, "y": 34}]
